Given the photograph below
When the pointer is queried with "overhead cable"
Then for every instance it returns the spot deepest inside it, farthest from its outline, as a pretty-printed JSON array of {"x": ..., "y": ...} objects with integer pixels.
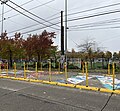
[
  {"x": 94, "y": 15},
  {"x": 31, "y": 17},
  {"x": 31, "y": 12},
  {"x": 96, "y": 8}
]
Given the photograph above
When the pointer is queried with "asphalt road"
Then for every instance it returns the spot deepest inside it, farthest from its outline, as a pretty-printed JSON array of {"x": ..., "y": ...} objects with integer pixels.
[{"x": 25, "y": 96}]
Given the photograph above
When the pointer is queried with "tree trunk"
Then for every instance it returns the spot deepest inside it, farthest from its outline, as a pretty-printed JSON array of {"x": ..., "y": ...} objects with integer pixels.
[
  {"x": 103, "y": 63},
  {"x": 10, "y": 52},
  {"x": 91, "y": 63},
  {"x": 38, "y": 57}
]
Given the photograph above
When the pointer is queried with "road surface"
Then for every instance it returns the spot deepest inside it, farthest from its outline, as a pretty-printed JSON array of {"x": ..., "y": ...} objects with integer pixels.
[{"x": 25, "y": 96}]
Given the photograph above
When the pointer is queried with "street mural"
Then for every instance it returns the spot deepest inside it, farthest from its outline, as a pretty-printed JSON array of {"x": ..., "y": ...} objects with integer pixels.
[
  {"x": 77, "y": 79},
  {"x": 105, "y": 80},
  {"x": 108, "y": 82}
]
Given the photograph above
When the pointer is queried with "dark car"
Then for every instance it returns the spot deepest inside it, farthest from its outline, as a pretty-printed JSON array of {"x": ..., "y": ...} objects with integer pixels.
[{"x": 3, "y": 64}]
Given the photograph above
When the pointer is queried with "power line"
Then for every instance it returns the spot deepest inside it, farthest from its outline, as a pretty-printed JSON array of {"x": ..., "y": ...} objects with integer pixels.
[
  {"x": 73, "y": 41},
  {"x": 31, "y": 12},
  {"x": 47, "y": 17},
  {"x": 30, "y": 17},
  {"x": 100, "y": 22},
  {"x": 96, "y": 8},
  {"x": 68, "y": 14},
  {"x": 42, "y": 4},
  {"x": 20, "y": 5},
  {"x": 35, "y": 24},
  {"x": 53, "y": 15},
  {"x": 48, "y": 6},
  {"x": 92, "y": 4},
  {"x": 81, "y": 25},
  {"x": 32, "y": 8},
  {"x": 30, "y": 26},
  {"x": 96, "y": 24},
  {"x": 84, "y": 29},
  {"x": 36, "y": 29},
  {"x": 16, "y": 23},
  {"x": 94, "y": 15},
  {"x": 54, "y": 18}
]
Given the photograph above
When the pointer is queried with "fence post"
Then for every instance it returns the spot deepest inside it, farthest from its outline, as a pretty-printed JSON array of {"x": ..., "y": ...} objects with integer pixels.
[
  {"x": 66, "y": 75},
  {"x": 0, "y": 69},
  {"x": 50, "y": 78},
  {"x": 41, "y": 66},
  {"x": 59, "y": 67},
  {"x": 83, "y": 69},
  {"x": 15, "y": 69},
  {"x": 27, "y": 66},
  {"x": 7, "y": 68},
  {"x": 108, "y": 68},
  {"x": 86, "y": 68},
  {"x": 24, "y": 71},
  {"x": 113, "y": 67},
  {"x": 36, "y": 70}
]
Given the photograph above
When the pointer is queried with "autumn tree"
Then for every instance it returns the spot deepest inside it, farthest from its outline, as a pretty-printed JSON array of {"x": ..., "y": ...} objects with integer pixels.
[
  {"x": 102, "y": 56},
  {"x": 108, "y": 56},
  {"x": 115, "y": 56},
  {"x": 53, "y": 52},
  {"x": 90, "y": 56},
  {"x": 87, "y": 48},
  {"x": 39, "y": 45},
  {"x": 10, "y": 47},
  {"x": 86, "y": 45}
]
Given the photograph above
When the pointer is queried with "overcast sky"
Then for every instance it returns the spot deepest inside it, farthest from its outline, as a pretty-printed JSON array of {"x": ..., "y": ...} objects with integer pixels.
[{"x": 104, "y": 29}]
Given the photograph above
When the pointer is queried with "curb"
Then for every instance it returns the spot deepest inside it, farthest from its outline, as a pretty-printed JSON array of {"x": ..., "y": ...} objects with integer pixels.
[{"x": 64, "y": 85}]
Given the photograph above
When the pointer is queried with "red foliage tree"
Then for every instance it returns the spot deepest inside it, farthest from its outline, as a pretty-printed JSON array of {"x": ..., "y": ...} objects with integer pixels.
[{"x": 39, "y": 45}]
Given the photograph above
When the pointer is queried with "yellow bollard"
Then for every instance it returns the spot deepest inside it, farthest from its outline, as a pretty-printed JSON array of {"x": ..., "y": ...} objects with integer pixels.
[
  {"x": 41, "y": 66},
  {"x": 24, "y": 71},
  {"x": 14, "y": 69},
  {"x": 66, "y": 75},
  {"x": 0, "y": 69},
  {"x": 36, "y": 70},
  {"x": 86, "y": 68},
  {"x": 7, "y": 68},
  {"x": 50, "y": 76},
  {"x": 108, "y": 68},
  {"x": 113, "y": 66}
]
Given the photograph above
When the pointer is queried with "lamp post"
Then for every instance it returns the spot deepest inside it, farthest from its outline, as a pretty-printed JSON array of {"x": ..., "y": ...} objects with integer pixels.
[
  {"x": 66, "y": 30},
  {"x": 2, "y": 24},
  {"x": 2, "y": 17}
]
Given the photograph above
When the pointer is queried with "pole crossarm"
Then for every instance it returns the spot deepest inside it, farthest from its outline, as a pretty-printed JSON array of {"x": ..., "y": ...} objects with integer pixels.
[{"x": 4, "y": 1}]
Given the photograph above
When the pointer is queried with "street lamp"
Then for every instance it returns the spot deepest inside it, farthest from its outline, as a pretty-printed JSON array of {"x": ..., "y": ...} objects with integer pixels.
[
  {"x": 66, "y": 29},
  {"x": 2, "y": 17},
  {"x": 2, "y": 3}
]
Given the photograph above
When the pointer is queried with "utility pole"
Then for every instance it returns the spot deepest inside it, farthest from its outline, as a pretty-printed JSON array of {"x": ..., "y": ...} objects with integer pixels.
[
  {"x": 2, "y": 17},
  {"x": 62, "y": 34},
  {"x": 66, "y": 30},
  {"x": 62, "y": 59},
  {"x": 2, "y": 24}
]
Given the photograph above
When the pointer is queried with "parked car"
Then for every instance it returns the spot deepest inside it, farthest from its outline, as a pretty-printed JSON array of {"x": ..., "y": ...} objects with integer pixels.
[{"x": 3, "y": 64}]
